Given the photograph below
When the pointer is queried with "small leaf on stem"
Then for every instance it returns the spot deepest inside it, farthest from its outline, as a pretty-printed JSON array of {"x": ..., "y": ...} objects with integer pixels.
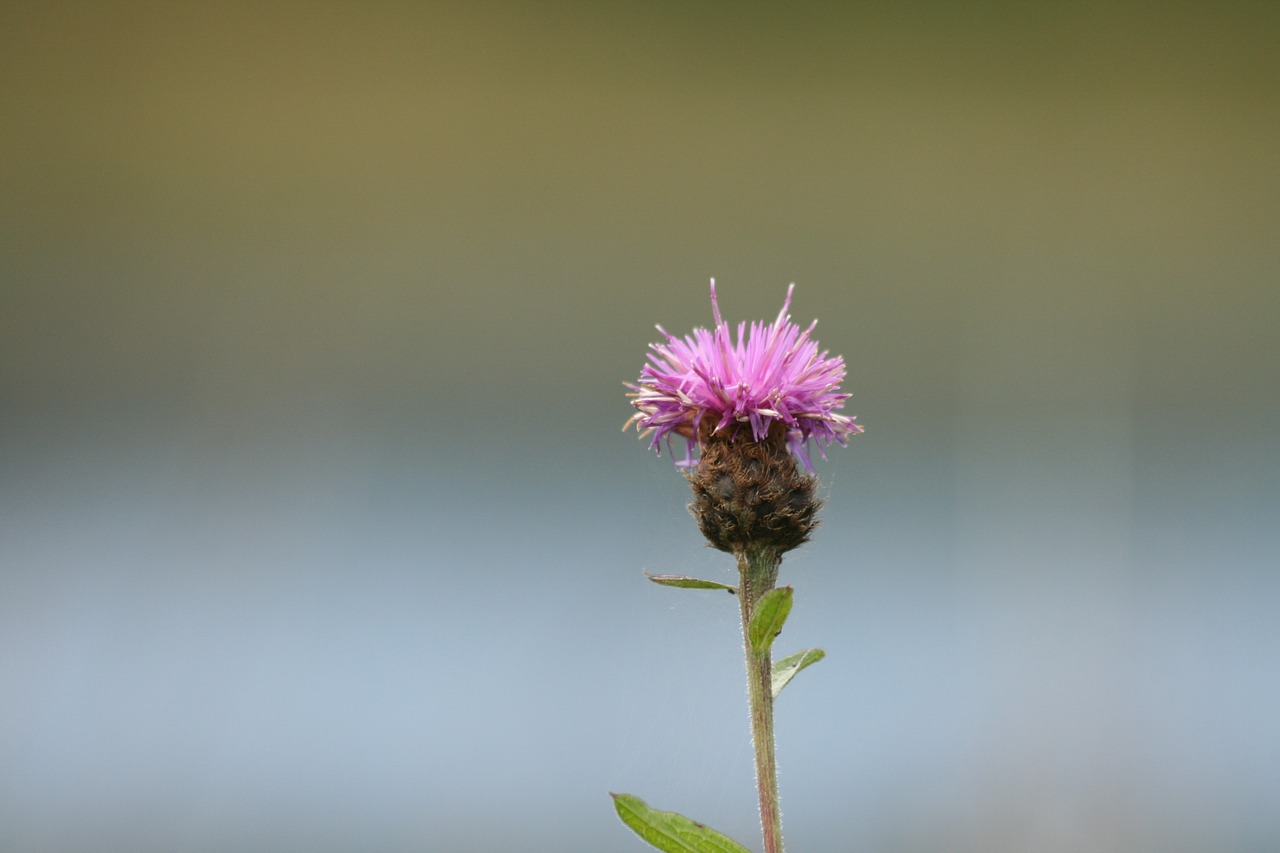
[
  {"x": 771, "y": 613},
  {"x": 786, "y": 669},
  {"x": 671, "y": 832},
  {"x": 687, "y": 583}
]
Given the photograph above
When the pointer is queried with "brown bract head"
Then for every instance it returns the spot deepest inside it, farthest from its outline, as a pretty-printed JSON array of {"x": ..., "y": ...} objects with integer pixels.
[{"x": 750, "y": 495}]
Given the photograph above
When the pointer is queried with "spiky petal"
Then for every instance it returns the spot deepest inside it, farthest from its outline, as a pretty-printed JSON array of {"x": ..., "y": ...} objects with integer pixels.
[{"x": 770, "y": 374}]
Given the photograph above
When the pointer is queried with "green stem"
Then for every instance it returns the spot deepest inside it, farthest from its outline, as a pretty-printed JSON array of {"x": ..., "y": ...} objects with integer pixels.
[{"x": 758, "y": 571}]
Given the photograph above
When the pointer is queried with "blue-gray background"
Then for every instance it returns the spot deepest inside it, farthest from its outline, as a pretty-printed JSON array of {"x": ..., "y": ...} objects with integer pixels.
[{"x": 317, "y": 529}]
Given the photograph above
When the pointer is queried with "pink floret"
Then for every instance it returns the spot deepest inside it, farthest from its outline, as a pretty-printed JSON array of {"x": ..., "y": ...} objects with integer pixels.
[{"x": 771, "y": 373}]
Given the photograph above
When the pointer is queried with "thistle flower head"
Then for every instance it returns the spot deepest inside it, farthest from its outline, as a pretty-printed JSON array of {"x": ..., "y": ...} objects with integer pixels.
[{"x": 772, "y": 374}]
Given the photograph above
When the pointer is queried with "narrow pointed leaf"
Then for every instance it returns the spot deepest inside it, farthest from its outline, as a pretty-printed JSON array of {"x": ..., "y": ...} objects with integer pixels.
[
  {"x": 671, "y": 832},
  {"x": 771, "y": 612},
  {"x": 786, "y": 669},
  {"x": 687, "y": 583}
]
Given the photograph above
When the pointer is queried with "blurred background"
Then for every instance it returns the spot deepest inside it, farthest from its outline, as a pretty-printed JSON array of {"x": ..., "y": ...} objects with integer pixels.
[{"x": 317, "y": 529}]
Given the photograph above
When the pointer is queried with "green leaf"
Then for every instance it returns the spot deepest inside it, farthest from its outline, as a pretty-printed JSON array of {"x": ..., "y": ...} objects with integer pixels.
[
  {"x": 766, "y": 623},
  {"x": 786, "y": 669},
  {"x": 671, "y": 832},
  {"x": 687, "y": 583}
]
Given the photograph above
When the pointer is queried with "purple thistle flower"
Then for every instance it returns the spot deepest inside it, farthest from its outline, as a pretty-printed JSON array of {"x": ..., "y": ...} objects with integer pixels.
[{"x": 771, "y": 374}]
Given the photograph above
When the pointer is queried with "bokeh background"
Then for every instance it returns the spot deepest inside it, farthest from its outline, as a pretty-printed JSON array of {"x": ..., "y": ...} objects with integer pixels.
[{"x": 317, "y": 529}]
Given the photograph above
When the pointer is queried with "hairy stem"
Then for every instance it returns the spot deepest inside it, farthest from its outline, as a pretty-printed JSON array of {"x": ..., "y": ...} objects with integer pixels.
[{"x": 758, "y": 571}]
